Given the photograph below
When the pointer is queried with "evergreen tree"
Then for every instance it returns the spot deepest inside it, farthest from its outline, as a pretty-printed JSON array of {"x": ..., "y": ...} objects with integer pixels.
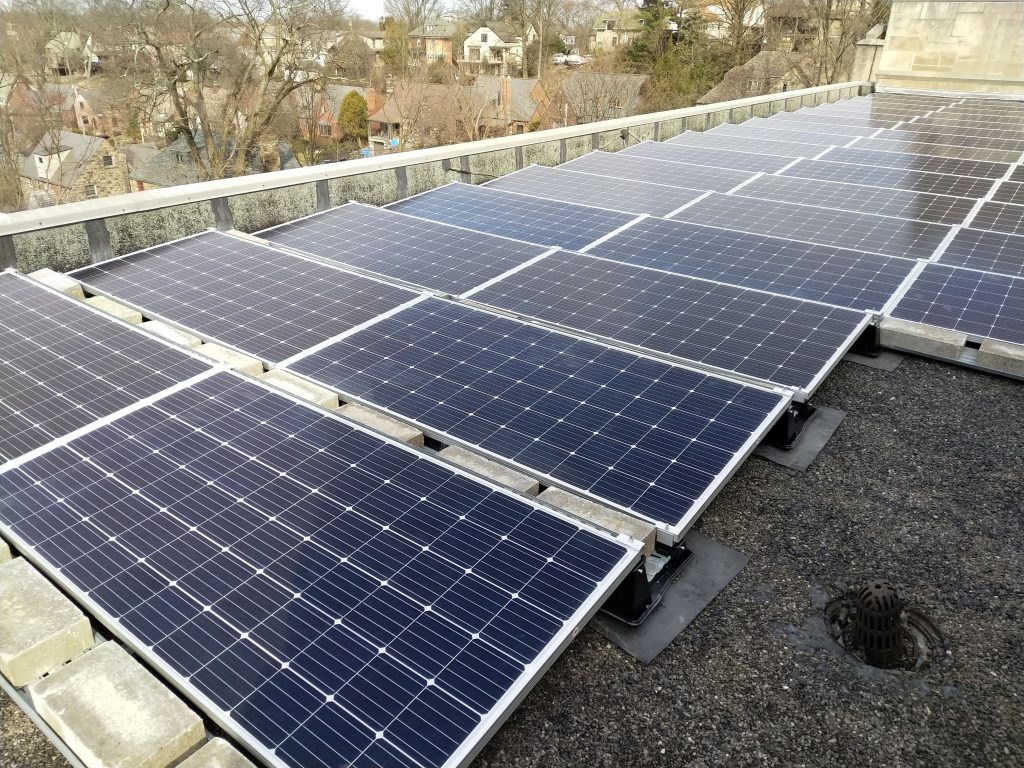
[{"x": 353, "y": 117}]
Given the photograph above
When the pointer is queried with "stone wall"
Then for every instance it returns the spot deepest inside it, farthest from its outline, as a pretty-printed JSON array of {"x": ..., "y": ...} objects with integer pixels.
[{"x": 955, "y": 46}]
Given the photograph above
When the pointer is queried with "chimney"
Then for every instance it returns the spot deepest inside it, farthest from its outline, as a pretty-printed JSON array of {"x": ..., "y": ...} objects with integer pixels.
[{"x": 506, "y": 93}]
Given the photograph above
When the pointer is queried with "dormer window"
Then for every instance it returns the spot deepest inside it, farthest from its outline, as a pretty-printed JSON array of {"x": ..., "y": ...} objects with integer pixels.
[{"x": 483, "y": 37}]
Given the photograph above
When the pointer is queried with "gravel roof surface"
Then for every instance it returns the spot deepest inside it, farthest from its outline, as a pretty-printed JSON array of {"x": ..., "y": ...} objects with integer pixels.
[{"x": 924, "y": 484}]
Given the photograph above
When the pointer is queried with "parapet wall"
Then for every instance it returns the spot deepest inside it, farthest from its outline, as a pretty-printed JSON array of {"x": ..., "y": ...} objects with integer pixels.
[{"x": 73, "y": 235}]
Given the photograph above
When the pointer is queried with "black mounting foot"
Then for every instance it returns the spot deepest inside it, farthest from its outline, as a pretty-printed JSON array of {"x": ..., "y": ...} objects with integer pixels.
[
  {"x": 790, "y": 426},
  {"x": 643, "y": 588},
  {"x": 869, "y": 343}
]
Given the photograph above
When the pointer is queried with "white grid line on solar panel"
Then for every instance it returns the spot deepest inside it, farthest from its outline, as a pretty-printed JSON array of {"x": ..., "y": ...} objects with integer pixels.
[
  {"x": 966, "y": 139},
  {"x": 725, "y": 151},
  {"x": 986, "y": 251},
  {"x": 737, "y": 331},
  {"x": 225, "y": 615},
  {"x": 871, "y": 233},
  {"x": 644, "y": 435},
  {"x": 980, "y": 304},
  {"x": 393, "y": 245},
  {"x": 909, "y": 146},
  {"x": 1010, "y": 192},
  {"x": 65, "y": 365},
  {"x": 609, "y": 193},
  {"x": 687, "y": 175},
  {"x": 533, "y": 219},
  {"x": 922, "y": 206},
  {"x": 250, "y": 297},
  {"x": 991, "y": 108},
  {"x": 694, "y": 153},
  {"x": 894, "y": 178},
  {"x": 1016, "y": 174},
  {"x": 877, "y": 111},
  {"x": 1000, "y": 217},
  {"x": 828, "y": 134},
  {"x": 961, "y": 128},
  {"x": 800, "y": 269},
  {"x": 853, "y": 125},
  {"x": 947, "y": 165}
]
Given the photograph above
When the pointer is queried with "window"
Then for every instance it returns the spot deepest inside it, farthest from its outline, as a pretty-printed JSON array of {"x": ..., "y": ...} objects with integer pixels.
[
  {"x": 85, "y": 120},
  {"x": 108, "y": 161},
  {"x": 609, "y": 24},
  {"x": 90, "y": 190},
  {"x": 483, "y": 37},
  {"x": 325, "y": 129}
]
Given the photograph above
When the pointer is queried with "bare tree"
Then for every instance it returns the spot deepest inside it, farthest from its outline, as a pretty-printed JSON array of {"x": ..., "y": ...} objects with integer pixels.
[
  {"x": 413, "y": 13},
  {"x": 744, "y": 22}
]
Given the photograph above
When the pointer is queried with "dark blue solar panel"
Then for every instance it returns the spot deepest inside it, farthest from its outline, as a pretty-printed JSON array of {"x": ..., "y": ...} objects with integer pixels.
[
  {"x": 987, "y": 251},
  {"x": 63, "y": 365},
  {"x": 776, "y": 338},
  {"x": 975, "y": 303},
  {"x": 893, "y": 178},
  {"x": 337, "y": 599},
  {"x": 688, "y": 175},
  {"x": 648, "y": 436},
  {"x": 512, "y": 215},
  {"x": 260, "y": 300},
  {"x": 716, "y": 158},
  {"x": 839, "y": 276},
  {"x": 432, "y": 255},
  {"x": 764, "y": 145},
  {"x": 1000, "y": 217},
  {"x": 948, "y": 165}
]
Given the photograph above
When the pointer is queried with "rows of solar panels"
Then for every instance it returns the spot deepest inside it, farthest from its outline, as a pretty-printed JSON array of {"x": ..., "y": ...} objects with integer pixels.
[{"x": 627, "y": 326}]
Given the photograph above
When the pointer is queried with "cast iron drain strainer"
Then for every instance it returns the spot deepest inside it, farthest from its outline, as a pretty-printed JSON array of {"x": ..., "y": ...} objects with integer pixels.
[{"x": 877, "y": 628}]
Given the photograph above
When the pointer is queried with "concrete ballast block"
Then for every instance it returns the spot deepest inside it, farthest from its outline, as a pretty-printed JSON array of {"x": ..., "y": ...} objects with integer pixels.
[
  {"x": 301, "y": 388},
  {"x": 382, "y": 423},
  {"x": 216, "y": 753},
  {"x": 40, "y": 628},
  {"x": 172, "y": 334},
  {"x": 1003, "y": 357},
  {"x": 114, "y": 714},
  {"x": 5, "y": 551},
  {"x": 59, "y": 282},
  {"x": 602, "y": 516},
  {"x": 232, "y": 359},
  {"x": 118, "y": 310},
  {"x": 492, "y": 470},
  {"x": 923, "y": 339}
]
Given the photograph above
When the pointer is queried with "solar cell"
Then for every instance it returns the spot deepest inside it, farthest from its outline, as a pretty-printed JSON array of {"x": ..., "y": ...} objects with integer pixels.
[
  {"x": 563, "y": 184},
  {"x": 844, "y": 229},
  {"x": 803, "y": 270},
  {"x": 966, "y": 137},
  {"x": 892, "y": 178},
  {"x": 246, "y": 295},
  {"x": 1000, "y": 217},
  {"x": 983, "y": 134},
  {"x": 949, "y": 149},
  {"x": 650, "y": 437},
  {"x": 946, "y": 165},
  {"x": 986, "y": 251},
  {"x": 943, "y": 209},
  {"x": 743, "y": 143},
  {"x": 867, "y": 124},
  {"x": 1010, "y": 192},
  {"x": 327, "y": 596},
  {"x": 64, "y": 365},
  {"x": 717, "y": 158},
  {"x": 1017, "y": 174},
  {"x": 981, "y": 304},
  {"x": 790, "y": 130},
  {"x": 645, "y": 169},
  {"x": 513, "y": 215},
  {"x": 404, "y": 247},
  {"x": 779, "y": 339}
]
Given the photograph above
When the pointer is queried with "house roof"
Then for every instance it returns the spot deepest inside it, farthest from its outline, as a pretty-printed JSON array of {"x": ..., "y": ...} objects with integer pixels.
[
  {"x": 174, "y": 165},
  {"x": 763, "y": 65},
  {"x": 623, "y": 20},
  {"x": 80, "y": 148},
  {"x": 523, "y": 104},
  {"x": 335, "y": 94},
  {"x": 622, "y": 85},
  {"x": 426, "y": 102},
  {"x": 505, "y": 31},
  {"x": 438, "y": 28}
]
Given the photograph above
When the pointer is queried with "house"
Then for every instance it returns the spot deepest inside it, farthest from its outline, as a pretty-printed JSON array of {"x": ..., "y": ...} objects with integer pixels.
[
  {"x": 35, "y": 110},
  {"x": 67, "y": 167},
  {"x": 513, "y": 105},
  {"x": 412, "y": 116},
  {"x": 495, "y": 47},
  {"x": 94, "y": 114},
  {"x": 323, "y": 120},
  {"x": 373, "y": 39},
  {"x": 766, "y": 72},
  {"x": 587, "y": 97},
  {"x": 433, "y": 40},
  {"x": 719, "y": 21},
  {"x": 614, "y": 30},
  {"x": 68, "y": 53}
]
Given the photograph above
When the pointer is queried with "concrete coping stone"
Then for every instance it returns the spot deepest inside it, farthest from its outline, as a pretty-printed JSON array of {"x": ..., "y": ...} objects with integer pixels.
[
  {"x": 216, "y": 753},
  {"x": 118, "y": 310},
  {"x": 5, "y": 551},
  {"x": 923, "y": 339},
  {"x": 382, "y": 423},
  {"x": 113, "y": 713},
  {"x": 602, "y": 516},
  {"x": 40, "y": 629},
  {"x": 301, "y": 388},
  {"x": 492, "y": 470},
  {"x": 59, "y": 282},
  {"x": 1001, "y": 356},
  {"x": 232, "y": 359},
  {"x": 172, "y": 334}
]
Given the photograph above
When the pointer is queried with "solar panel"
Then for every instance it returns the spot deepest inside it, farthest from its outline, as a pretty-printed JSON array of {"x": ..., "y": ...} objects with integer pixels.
[
  {"x": 779, "y": 339},
  {"x": 1000, "y": 217},
  {"x": 794, "y": 131},
  {"x": 803, "y": 270},
  {"x": 749, "y": 144},
  {"x": 987, "y": 251},
  {"x": 563, "y": 184},
  {"x": 257, "y": 299},
  {"x": 942, "y": 209},
  {"x": 717, "y": 158},
  {"x": 976, "y": 303},
  {"x": 512, "y": 215},
  {"x": 947, "y": 165},
  {"x": 64, "y": 365},
  {"x": 327, "y": 596},
  {"x": 403, "y": 247},
  {"x": 650, "y": 437},
  {"x": 893, "y": 178},
  {"x": 643, "y": 169},
  {"x": 948, "y": 149},
  {"x": 966, "y": 137},
  {"x": 1017, "y": 174},
  {"x": 843, "y": 229},
  {"x": 984, "y": 134},
  {"x": 1010, "y": 192},
  {"x": 865, "y": 123}
]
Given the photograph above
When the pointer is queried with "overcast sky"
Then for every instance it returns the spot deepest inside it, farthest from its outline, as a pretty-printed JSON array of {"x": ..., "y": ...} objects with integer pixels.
[{"x": 368, "y": 9}]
